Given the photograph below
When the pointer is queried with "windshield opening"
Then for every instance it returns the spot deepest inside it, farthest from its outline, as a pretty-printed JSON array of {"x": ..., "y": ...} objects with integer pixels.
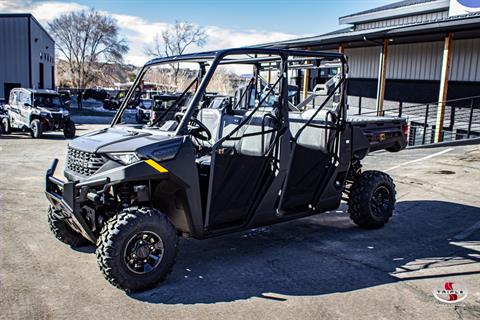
[
  {"x": 162, "y": 91},
  {"x": 47, "y": 101}
]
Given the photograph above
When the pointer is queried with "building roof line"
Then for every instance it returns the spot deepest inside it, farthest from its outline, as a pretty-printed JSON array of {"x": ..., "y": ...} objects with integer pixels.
[
  {"x": 397, "y": 9},
  {"x": 432, "y": 26}
]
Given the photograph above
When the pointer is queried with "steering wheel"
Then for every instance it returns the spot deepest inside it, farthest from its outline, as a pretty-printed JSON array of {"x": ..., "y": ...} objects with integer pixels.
[{"x": 195, "y": 127}]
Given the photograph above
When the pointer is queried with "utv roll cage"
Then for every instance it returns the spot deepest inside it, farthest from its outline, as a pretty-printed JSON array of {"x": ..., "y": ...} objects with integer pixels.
[{"x": 212, "y": 59}]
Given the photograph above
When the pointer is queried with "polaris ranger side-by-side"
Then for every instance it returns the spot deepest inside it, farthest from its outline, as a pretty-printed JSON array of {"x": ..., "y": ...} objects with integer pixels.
[
  {"x": 37, "y": 111},
  {"x": 219, "y": 167}
]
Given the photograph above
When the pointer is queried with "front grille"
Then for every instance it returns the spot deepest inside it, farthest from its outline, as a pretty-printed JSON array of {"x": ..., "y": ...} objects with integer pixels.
[
  {"x": 57, "y": 116},
  {"x": 57, "y": 119},
  {"x": 82, "y": 162}
]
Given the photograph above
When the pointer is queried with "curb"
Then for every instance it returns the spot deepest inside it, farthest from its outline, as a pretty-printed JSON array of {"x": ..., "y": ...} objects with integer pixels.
[{"x": 464, "y": 142}]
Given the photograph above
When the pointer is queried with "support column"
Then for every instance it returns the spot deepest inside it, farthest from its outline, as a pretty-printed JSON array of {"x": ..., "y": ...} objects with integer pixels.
[
  {"x": 341, "y": 48},
  {"x": 306, "y": 80},
  {"x": 269, "y": 74},
  {"x": 382, "y": 73},
  {"x": 442, "y": 95}
]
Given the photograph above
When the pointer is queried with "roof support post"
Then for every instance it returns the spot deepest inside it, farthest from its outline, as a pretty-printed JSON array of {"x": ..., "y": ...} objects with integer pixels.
[
  {"x": 341, "y": 48},
  {"x": 306, "y": 80},
  {"x": 269, "y": 74},
  {"x": 382, "y": 74},
  {"x": 442, "y": 94}
]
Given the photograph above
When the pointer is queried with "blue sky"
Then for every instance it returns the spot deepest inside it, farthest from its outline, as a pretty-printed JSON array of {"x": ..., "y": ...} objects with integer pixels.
[
  {"x": 227, "y": 23},
  {"x": 298, "y": 17}
]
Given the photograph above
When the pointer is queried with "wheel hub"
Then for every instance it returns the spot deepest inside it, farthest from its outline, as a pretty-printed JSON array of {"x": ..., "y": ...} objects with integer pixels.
[
  {"x": 380, "y": 201},
  {"x": 144, "y": 252}
]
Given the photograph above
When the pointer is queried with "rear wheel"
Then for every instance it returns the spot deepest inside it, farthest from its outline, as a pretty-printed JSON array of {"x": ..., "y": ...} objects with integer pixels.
[
  {"x": 62, "y": 231},
  {"x": 137, "y": 249},
  {"x": 6, "y": 126},
  {"x": 395, "y": 148},
  {"x": 69, "y": 129},
  {"x": 371, "y": 199},
  {"x": 36, "y": 129}
]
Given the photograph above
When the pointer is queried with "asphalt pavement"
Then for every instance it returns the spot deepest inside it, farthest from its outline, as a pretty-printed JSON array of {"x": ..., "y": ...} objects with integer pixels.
[{"x": 318, "y": 267}]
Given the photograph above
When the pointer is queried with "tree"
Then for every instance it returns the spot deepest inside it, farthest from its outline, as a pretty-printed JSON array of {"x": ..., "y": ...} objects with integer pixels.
[
  {"x": 89, "y": 41},
  {"x": 175, "y": 40}
]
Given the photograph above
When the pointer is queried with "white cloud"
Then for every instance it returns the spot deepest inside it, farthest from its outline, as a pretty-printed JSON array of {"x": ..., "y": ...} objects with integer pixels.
[
  {"x": 42, "y": 11},
  {"x": 140, "y": 32}
]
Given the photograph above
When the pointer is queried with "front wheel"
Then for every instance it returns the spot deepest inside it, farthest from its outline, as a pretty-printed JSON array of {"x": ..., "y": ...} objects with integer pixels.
[
  {"x": 371, "y": 199},
  {"x": 63, "y": 232},
  {"x": 36, "y": 129},
  {"x": 69, "y": 129},
  {"x": 137, "y": 249},
  {"x": 138, "y": 118}
]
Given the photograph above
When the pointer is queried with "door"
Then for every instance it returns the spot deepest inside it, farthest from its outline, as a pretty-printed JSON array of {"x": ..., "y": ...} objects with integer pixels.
[
  {"x": 311, "y": 162},
  {"x": 241, "y": 170},
  {"x": 24, "y": 105},
  {"x": 41, "y": 76},
  {"x": 14, "y": 110}
]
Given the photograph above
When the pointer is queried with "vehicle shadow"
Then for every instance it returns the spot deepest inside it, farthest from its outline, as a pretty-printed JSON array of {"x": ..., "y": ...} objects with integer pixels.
[
  {"x": 18, "y": 136},
  {"x": 317, "y": 255}
]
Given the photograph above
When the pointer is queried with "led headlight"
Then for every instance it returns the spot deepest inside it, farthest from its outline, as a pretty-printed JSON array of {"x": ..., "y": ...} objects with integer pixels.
[{"x": 124, "y": 157}]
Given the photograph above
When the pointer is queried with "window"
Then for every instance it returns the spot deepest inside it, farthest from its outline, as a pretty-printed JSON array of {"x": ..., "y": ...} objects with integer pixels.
[{"x": 23, "y": 97}]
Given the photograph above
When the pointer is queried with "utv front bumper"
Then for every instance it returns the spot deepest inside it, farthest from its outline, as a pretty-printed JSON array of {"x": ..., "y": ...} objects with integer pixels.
[{"x": 62, "y": 196}]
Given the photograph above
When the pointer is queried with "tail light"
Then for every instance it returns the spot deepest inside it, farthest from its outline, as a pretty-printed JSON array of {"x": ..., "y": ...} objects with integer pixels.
[{"x": 405, "y": 129}]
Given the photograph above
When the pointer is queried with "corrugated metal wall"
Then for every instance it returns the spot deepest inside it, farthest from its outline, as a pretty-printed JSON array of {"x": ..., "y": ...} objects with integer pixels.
[
  {"x": 415, "y": 61},
  {"x": 402, "y": 20},
  {"x": 418, "y": 61},
  {"x": 465, "y": 60},
  {"x": 363, "y": 62},
  {"x": 13, "y": 52}
]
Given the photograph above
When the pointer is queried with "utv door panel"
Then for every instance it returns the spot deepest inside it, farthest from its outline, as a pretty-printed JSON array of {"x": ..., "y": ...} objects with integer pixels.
[
  {"x": 307, "y": 169},
  {"x": 239, "y": 174},
  {"x": 234, "y": 185},
  {"x": 311, "y": 161}
]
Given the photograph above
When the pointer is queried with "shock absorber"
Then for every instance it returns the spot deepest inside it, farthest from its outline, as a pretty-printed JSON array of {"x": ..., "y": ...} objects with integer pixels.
[{"x": 124, "y": 195}]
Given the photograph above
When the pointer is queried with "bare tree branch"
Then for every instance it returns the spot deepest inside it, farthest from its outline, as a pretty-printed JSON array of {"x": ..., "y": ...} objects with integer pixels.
[
  {"x": 174, "y": 41},
  {"x": 89, "y": 41}
]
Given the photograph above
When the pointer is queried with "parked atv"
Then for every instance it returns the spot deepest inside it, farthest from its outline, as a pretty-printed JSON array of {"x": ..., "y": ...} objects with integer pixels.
[
  {"x": 37, "y": 111},
  {"x": 132, "y": 190}
]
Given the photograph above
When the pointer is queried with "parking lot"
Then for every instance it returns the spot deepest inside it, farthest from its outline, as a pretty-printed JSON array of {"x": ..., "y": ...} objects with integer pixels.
[{"x": 318, "y": 267}]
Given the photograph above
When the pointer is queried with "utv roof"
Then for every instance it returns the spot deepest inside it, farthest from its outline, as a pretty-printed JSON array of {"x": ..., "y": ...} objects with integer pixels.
[{"x": 203, "y": 57}]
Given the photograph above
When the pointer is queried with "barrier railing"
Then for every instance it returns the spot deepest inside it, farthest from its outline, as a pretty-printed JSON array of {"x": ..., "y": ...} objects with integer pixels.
[{"x": 461, "y": 119}]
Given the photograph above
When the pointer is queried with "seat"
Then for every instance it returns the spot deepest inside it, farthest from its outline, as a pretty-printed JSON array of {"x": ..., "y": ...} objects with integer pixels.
[
  {"x": 312, "y": 137},
  {"x": 212, "y": 119},
  {"x": 257, "y": 144}
]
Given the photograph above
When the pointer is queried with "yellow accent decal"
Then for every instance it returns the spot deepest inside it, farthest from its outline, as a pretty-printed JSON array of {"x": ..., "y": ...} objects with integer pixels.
[{"x": 156, "y": 166}]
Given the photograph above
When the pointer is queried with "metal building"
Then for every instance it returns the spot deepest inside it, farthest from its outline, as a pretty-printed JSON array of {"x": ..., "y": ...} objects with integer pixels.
[
  {"x": 411, "y": 51},
  {"x": 27, "y": 54}
]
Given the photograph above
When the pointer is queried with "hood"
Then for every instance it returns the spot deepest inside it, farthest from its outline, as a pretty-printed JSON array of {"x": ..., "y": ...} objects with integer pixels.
[
  {"x": 117, "y": 139},
  {"x": 50, "y": 109}
]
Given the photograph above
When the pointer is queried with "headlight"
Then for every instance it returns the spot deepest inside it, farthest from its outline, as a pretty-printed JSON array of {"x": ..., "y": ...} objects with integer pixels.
[
  {"x": 124, "y": 157},
  {"x": 65, "y": 113}
]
